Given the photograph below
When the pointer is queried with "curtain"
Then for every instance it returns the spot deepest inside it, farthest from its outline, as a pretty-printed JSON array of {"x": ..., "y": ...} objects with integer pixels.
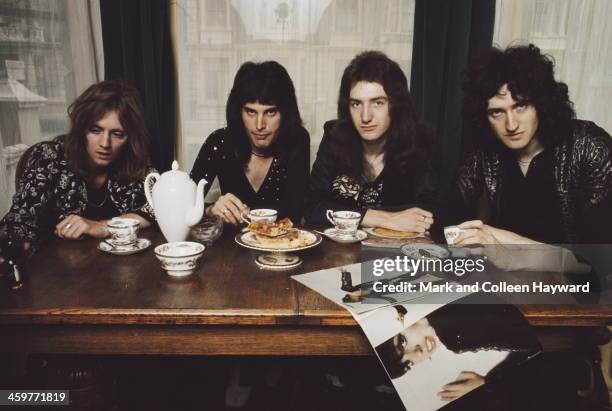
[
  {"x": 138, "y": 49},
  {"x": 49, "y": 53},
  {"x": 577, "y": 34},
  {"x": 446, "y": 35}
]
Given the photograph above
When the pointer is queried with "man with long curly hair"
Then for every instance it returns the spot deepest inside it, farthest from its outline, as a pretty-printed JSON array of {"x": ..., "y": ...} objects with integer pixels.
[{"x": 546, "y": 176}]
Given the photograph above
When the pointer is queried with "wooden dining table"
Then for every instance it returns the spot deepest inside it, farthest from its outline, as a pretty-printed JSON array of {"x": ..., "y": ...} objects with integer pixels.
[{"x": 79, "y": 299}]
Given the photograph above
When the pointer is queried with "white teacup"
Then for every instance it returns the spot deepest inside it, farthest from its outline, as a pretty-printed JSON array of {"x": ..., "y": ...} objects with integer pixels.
[
  {"x": 346, "y": 222},
  {"x": 261, "y": 214},
  {"x": 452, "y": 232},
  {"x": 123, "y": 231}
]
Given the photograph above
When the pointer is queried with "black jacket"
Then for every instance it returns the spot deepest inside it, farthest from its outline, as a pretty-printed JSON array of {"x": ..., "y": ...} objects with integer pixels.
[
  {"x": 329, "y": 189},
  {"x": 583, "y": 176},
  {"x": 283, "y": 186}
]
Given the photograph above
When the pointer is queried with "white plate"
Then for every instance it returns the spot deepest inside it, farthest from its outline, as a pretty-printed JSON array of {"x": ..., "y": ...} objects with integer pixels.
[
  {"x": 415, "y": 250},
  {"x": 249, "y": 240},
  {"x": 138, "y": 246},
  {"x": 333, "y": 235}
]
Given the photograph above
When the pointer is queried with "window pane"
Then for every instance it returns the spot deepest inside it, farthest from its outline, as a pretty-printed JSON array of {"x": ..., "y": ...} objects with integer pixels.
[
  {"x": 577, "y": 34},
  {"x": 41, "y": 71},
  {"x": 313, "y": 39}
]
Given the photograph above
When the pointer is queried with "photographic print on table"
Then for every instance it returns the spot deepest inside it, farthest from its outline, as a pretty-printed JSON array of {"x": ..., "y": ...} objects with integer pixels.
[
  {"x": 435, "y": 354},
  {"x": 343, "y": 286}
]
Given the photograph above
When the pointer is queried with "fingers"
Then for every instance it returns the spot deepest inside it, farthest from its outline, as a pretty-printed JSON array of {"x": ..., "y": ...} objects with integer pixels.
[
  {"x": 232, "y": 211},
  {"x": 421, "y": 212},
  {"x": 449, "y": 395},
  {"x": 421, "y": 226},
  {"x": 76, "y": 230},
  {"x": 229, "y": 208},
  {"x": 471, "y": 224},
  {"x": 71, "y": 227},
  {"x": 236, "y": 201},
  {"x": 423, "y": 218},
  {"x": 63, "y": 226},
  {"x": 469, "y": 237},
  {"x": 414, "y": 219},
  {"x": 454, "y": 387},
  {"x": 476, "y": 236},
  {"x": 467, "y": 375},
  {"x": 465, "y": 382}
]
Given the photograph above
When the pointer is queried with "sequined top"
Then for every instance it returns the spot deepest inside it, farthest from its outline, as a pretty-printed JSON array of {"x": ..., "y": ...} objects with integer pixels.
[
  {"x": 282, "y": 188},
  {"x": 582, "y": 177}
]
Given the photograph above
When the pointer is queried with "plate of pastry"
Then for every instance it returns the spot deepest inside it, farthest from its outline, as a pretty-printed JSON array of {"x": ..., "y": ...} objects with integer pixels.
[{"x": 277, "y": 238}]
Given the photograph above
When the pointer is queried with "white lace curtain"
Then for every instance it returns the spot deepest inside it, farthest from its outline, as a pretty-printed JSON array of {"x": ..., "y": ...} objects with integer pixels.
[
  {"x": 313, "y": 39},
  {"x": 50, "y": 51},
  {"x": 578, "y": 34}
]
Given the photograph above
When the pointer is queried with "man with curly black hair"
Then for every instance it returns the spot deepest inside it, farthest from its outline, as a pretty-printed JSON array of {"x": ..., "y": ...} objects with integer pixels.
[{"x": 546, "y": 176}]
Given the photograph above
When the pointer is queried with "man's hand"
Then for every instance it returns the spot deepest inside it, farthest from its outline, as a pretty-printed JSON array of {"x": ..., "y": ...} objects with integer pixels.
[
  {"x": 483, "y": 234},
  {"x": 74, "y": 227},
  {"x": 465, "y": 382},
  {"x": 509, "y": 251},
  {"x": 412, "y": 219},
  {"x": 229, "y": 208}
]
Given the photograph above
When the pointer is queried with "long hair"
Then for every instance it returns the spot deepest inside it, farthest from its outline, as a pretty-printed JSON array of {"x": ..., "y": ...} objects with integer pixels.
[
  {"x": 266, "y": 83},
  {"x": 90, "y": 107},
  {"x": 408, "y": 143},
  {"x": 530, "y": 77},
  {"x": 392, "y": 359}
]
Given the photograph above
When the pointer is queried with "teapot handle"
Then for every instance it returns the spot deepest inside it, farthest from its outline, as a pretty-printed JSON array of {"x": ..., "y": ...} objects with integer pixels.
[{"x": 147, "y": 187}]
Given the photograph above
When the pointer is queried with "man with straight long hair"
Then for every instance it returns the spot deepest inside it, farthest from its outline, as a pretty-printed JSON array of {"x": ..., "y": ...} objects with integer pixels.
[{"x": 376, "y": 157}]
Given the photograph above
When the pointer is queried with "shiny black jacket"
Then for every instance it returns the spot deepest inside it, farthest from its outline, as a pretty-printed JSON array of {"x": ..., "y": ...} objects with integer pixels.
[{"x": 583, "y": 175}]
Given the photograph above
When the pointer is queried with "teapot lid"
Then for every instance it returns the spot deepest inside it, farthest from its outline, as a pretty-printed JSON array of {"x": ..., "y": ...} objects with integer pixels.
[{"x": 175, "y": 173}]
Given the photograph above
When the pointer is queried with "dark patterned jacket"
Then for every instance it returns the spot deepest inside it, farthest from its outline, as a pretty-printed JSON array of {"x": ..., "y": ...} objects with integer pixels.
[
  {"x": 49, "y": 191},
  {"x": 583, "y": 175}
]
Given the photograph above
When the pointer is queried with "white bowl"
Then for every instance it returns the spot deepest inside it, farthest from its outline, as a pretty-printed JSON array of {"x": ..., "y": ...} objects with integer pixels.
[{"x": 179, "y": 258}]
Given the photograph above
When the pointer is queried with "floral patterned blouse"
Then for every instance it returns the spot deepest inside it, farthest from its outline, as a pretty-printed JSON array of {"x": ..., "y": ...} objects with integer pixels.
[{"x": 49, "y": 191}]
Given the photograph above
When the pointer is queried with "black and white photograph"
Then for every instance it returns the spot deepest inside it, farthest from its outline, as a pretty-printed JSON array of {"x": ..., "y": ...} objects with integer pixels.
[{"x": 435, "y": 354}]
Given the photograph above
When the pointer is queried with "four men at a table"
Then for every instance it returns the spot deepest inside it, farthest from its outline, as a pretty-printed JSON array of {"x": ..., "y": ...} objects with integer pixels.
[{"x": 545, "y": 176}]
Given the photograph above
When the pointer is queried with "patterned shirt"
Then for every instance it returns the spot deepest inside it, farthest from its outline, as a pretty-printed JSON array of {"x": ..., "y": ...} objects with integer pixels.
[{"x": 49, "y": 191}]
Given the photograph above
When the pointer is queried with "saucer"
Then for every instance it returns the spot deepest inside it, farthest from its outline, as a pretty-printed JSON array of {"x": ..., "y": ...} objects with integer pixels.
[
  {"x": 139, "y": 245},
  {"x": 332, "y": 234}
]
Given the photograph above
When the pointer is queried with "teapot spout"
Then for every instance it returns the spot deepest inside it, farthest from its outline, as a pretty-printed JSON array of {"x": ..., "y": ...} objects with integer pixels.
[{"x": 194, "y": 215}]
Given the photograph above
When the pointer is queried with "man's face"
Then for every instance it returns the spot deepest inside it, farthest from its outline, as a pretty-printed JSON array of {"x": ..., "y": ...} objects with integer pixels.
[
  {"x": 514, "y": 122},
  {"x": 105, "y": 140},
  {"x": 416, "y": 343},
  {"x": 369, "y": 108},
  {"x": 261, "y": 123}
]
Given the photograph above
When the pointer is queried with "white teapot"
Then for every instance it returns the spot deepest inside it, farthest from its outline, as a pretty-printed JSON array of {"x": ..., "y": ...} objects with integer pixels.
[{"x": 177, "y": 203}]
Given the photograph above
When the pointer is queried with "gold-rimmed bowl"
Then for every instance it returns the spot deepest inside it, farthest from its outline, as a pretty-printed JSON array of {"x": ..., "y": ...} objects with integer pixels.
[{"x": 179, "y": 258}]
